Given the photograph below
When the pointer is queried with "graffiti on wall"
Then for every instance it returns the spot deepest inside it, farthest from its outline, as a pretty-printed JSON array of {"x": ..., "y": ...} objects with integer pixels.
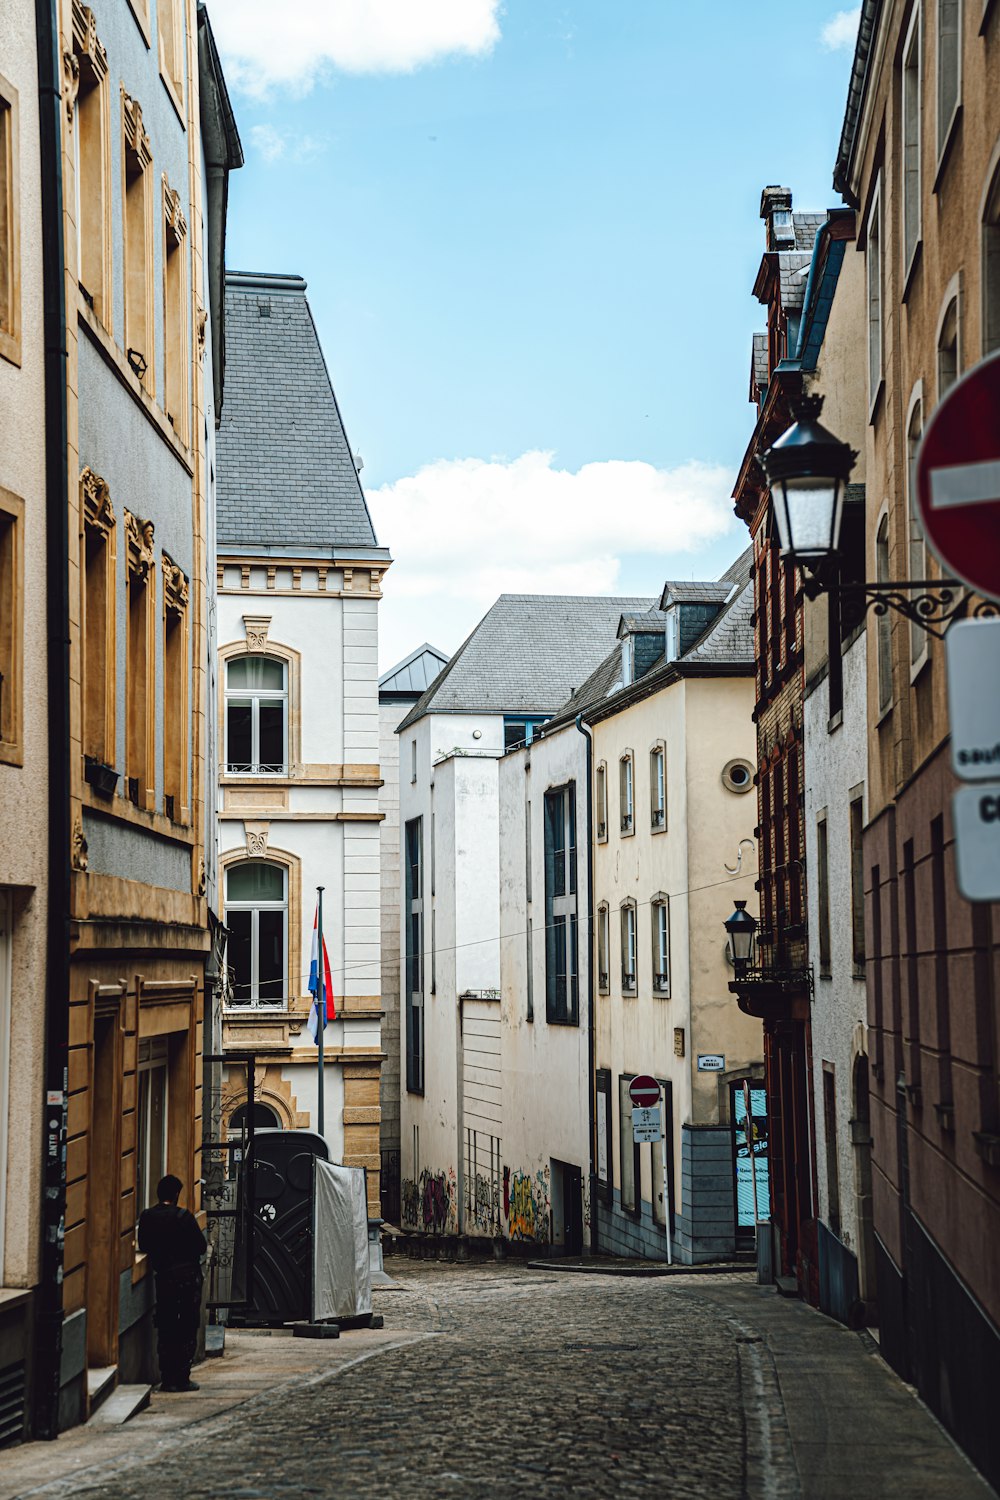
[
  {"x": 484, "y": 1206},
  {"x": 430, "y": 1203},
  {"x": 526, "y": 1204}
]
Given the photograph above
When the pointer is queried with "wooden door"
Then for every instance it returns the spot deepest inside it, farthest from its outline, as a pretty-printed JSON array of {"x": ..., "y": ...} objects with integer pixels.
[{"x": 104, "y": 1195}]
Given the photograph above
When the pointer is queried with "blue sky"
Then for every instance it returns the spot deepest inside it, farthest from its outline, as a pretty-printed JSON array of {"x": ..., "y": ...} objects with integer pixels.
[{"x": 530, "y": 234}]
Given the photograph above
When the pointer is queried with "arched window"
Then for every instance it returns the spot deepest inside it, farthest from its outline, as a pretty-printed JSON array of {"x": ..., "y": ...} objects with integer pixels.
[
  {"x": 264, "y": 1118},
  {"x": 884, "y": 636},
  {"x": 257, "y": 919},
  {"x": 991, "y": 267},
  {"x": 948, "y": 350},
  {"x": 256, "y": 716}
]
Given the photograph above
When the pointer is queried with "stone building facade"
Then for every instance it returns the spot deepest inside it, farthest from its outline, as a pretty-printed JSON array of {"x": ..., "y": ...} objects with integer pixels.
[
  {"x": 919, "y": 160},
  {"x": 299, "y": 575}
]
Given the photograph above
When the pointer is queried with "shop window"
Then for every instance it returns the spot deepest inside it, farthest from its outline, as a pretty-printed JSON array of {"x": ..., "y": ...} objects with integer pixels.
[
  {"x": 89, "y": 128},
  {"x": 628, "y": 1151},
  {"x": 98, "y": 578},
  {"x": 151, "y": 1121},
  {"x": 175, "y": 691},
  {"x": 11, "y": 630},
  {"x": 10, "y": 228},
  {"x": 256, "y": 716},
  {"x": 175, "y": 314},
  {"x": 138, "y": 249},
  {"x": 257, "y": 918},
  {"x": 660, "y": 928}
]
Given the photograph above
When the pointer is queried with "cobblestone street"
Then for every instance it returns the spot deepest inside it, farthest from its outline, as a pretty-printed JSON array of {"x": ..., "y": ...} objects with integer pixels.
[{"x": 499, "y": 1379}]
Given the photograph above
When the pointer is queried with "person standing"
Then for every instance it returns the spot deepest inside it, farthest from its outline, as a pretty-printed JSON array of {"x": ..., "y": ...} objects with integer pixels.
[{"x": 170, "y": 1236}]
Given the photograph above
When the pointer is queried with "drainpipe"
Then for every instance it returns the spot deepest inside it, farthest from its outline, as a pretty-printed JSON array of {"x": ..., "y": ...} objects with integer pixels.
[
  {"x": 591, "y": 1040},
  {"x": 49, "y": 1311}
]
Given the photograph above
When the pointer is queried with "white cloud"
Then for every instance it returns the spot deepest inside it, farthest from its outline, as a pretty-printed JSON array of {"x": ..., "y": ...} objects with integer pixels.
[
  {"x": 463, "y": 531},
  {"x": 274, "y": 144},
  {"x": 264, "y": 44},
  {"x": 841, "y": 31}
]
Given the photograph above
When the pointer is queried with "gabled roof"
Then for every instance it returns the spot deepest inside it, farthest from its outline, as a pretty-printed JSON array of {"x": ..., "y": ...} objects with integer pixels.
[
  {"x": 646, "y": 622},
  {"x": 285, "y": 470},
  {"x": 414, "y": 674},
  {"x": 681, "y": 591},
  {"x": 526, "y": 655}
]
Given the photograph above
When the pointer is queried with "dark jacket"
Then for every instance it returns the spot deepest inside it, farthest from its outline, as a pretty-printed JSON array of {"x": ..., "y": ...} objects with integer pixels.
[{"x": 170, "y": 1236}]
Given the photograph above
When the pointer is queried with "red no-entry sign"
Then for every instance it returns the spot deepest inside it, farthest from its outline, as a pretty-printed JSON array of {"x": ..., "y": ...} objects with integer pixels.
[
  {"x": 958, "y": 479},
  {"x": 644, "y": 1091}
]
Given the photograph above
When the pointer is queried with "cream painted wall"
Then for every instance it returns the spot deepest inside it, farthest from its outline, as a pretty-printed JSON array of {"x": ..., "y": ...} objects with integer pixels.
[
  {"x": 703, "y": 723},
  {"x": 24, "y": 788}
]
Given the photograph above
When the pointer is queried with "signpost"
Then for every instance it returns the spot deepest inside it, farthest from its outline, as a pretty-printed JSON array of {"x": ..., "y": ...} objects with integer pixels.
[
  {"x": 649, "y": 1125},
  {"x": 958, "y": 479}
]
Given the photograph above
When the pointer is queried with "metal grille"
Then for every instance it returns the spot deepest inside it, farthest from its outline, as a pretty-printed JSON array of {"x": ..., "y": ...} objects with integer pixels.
[{"x": 11, "y": 1404}]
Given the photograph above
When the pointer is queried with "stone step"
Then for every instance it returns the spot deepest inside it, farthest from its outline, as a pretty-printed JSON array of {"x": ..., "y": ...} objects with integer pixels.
[
  {"x": 125, "y": 1401},
  {"x": 100, "y": 1384},
  {"x": 787, "y": 1286}
]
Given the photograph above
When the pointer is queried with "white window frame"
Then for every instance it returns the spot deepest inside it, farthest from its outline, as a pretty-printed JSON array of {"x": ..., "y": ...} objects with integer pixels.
[
  {"x": 256, "y": 696},
  {"x": 626, "y": 793},
  {"x": 875, "y": 291},
  {"x": 658, "y": 787},
  {"x": 912, "y": 89},
  {"x": 629, "y": 968},
  {"x": 153, "y": 1057},
  {"x": 660, "y": 908},
  {"x": 255, "y": 907}
]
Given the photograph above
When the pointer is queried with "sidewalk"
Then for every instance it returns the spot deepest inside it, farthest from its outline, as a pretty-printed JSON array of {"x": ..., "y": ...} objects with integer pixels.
[{"x": 255, "y": 1366}]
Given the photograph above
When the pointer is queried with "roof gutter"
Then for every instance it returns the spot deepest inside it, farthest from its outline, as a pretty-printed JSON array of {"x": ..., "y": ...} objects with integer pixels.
[{"x": 871, "y": 11}]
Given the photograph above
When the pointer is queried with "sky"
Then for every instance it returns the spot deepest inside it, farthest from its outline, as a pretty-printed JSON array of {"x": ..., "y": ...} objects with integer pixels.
[{"x": 530, "y": 232}]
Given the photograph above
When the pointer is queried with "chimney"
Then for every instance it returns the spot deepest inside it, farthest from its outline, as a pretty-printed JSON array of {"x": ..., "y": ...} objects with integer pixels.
[{"x": 776, "y": 211}]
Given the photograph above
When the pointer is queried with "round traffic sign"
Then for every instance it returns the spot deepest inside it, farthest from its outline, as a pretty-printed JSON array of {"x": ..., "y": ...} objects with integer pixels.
[
  {"x": 958, "y": 479},
  {"x": 644, "y": 1091}
]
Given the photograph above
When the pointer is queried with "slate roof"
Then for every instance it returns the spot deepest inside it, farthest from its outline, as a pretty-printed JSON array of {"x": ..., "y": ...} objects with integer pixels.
[
  {"x": 647, "y": 622},
  {"x": 285, "y": 470},
  {"x": 793, "y": 268},
  {"x": 526, "y": 655},
  {"x": 681, "y": 591},
  {"x": 759, "y": 375},
  {"x": 729, "y": 638},
  {"x": 414, "y": 674},
  {"x": 807, "y": 227}
]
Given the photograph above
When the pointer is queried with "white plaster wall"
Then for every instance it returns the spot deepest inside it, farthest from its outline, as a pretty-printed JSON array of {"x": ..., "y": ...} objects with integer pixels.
[
  {"x": 390, "y": 715},
  {"x": 703, "y": 724},
  {"x": 24, "y": 789},
  {"x": 545, "y": 1068},
  {"x": 836, "y": 763}
]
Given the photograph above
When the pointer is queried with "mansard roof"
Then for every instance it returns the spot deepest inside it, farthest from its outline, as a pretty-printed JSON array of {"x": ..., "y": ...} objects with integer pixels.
[{"x": 286, "y": 475}]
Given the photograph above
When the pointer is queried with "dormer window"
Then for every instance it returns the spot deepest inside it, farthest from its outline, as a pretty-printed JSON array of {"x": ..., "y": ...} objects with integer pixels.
[{"x": 783, "y": 227}]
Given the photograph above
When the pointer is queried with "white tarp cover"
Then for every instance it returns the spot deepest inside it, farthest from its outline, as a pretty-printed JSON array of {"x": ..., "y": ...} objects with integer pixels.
[{"x": 342, "y": 1278}]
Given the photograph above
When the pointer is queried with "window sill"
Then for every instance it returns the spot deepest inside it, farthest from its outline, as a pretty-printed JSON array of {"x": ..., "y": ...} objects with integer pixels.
[
  {"x": 873, "y": 405},
  {"x": 923, "y": 661},
  {"x": 124, "y": 811},
  {"x": 658, "y": 828},
  {"x": 911, "y": 269},
  {"x": 174, "y": 97},
  {"x": 835, "y": 721},
  {"x": 987, "y": 13},
  {"x": 117, "y": 363},
  {"x": 945, "y": 154},
  {"x": 10, "y": 348},
  {"x": 883, "y": 714},
  {"x": 11, "y": 753},
  {"x": 255, "y": 1008},
  {"x": 627, "y": 833}
]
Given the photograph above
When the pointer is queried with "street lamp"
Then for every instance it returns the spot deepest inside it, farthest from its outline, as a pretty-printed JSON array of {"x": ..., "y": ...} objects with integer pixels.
[
  {"x": 807, "y": 470},
  {"x": 741, "y": 929}
]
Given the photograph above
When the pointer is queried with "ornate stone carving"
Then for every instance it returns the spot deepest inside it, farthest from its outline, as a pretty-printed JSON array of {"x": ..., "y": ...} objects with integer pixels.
[
  {"x": 202, "y": 885},
  {"x": 256, "y": 837},
  {"x": 86, "y": 44},
  {"x": 71, "y": 84},
  {"x": 136, "y": 140},
  {"x": 78, "y": 854},
  {"x": 139, "y": 541},
  {"x": 175, "y": 585},
  {"x": 176, "y": 222},
  {"x": 95, "y": 501},
  {"x": 256, "y": 627},
  {"x": 201, "y": 324}
]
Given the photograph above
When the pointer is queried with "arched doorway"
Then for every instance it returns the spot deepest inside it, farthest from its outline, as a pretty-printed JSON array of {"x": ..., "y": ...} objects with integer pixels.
[{"x": 264, "y": 1118}]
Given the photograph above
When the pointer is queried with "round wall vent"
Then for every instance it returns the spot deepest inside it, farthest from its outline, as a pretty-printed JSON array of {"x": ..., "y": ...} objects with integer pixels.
[{"x": 737, "y": 775}]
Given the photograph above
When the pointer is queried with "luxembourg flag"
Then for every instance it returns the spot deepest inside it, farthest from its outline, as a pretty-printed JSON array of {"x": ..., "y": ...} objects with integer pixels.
[{"x": 331, "y": 1010}]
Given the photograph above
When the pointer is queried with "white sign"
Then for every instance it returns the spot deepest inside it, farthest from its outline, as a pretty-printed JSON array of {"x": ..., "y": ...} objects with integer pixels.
[
  {"x": 602, "y": 1137},
  {"x": 645, "y": 1130},
  {"x": 976, "y": 814},
  {"x": 711, "y": 1062},
  {"x": 972, "y": 651}
]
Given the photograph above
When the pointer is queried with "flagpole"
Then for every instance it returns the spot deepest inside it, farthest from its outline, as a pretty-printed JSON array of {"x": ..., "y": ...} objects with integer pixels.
[{"x": 320, "y": 1013}]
